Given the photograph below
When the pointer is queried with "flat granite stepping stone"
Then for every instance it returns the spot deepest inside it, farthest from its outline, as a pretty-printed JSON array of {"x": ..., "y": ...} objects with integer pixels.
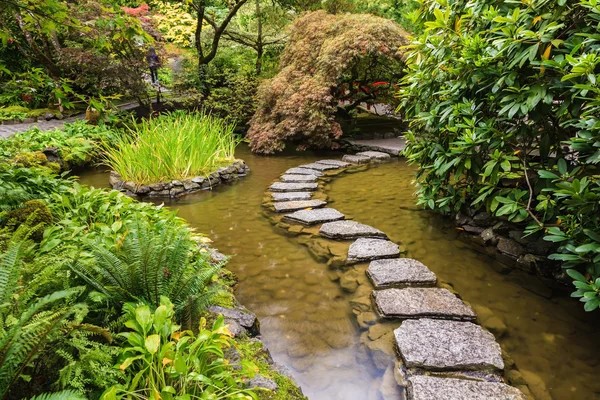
[
  {"x": 376, "y": 155},
  {"x": 400, "y": 272},
  {"x": 292, "y": 187},
  {"x": 364, "y": 249},
  {"x": 431, "y": 388},
  {"x": 349, "y": 230},
  {"x": 421, "y": 302},
  {"x": 356, "y": 159},
  {"x": 288, "y": 206},
  {"x": 317, "y": 216},
  {"x": 303, "y": 171},
  {"x": 447, "y": 345},
  {"x": 298, "y": 178},
  {"x": 291, "y": 196},
  {"x": 319, "y": 167},
  {"x": 334, "y": 162}
]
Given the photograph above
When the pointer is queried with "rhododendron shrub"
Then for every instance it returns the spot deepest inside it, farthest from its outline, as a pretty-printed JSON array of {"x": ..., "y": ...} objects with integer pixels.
[{"x": 328, "y": 64}]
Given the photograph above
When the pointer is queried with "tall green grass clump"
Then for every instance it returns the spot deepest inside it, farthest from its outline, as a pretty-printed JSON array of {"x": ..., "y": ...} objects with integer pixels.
[{"x": 173, "y": 146}]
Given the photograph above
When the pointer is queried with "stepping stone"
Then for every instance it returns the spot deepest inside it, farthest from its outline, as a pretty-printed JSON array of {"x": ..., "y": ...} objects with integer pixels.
[
  {"x": 364, "y": 249},
  {"x": 319, "y": 167},
  {"x": 447, "y": 345},
  {"x": 421, "y": 302},
  {"x": 356, "y": 159},
  {"x": 288, "y": 206},
  {"x": 337, "y": 163},
  {"x": 303, "y": 171},
  {"x": 317, "y": 216},
  {"x": 298, "y": 178},
  {"x": 349, "y": 230},
  {"x": 292, "y": 187},
  {"x": 430, "y": 388},
  {"x": 291, "y": 196},
  {"x": 376, "y": 155},
  {"x": 399, "y": 272}
]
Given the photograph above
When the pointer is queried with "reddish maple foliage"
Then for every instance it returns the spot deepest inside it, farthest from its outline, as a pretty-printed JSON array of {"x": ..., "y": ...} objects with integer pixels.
[
  {"x": 324, "y": 57},
  {"x": 142, "y": 9}
]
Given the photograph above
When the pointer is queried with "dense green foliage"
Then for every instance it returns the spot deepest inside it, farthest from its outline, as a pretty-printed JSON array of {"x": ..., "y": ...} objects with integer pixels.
[
  {"x": 77, "y": 143},
  {"x": 175, "y": 146},
  {"x": 70, "y": 257},
  {"x": 328, "y": 59},
  {"x": 503, "y": 100}
]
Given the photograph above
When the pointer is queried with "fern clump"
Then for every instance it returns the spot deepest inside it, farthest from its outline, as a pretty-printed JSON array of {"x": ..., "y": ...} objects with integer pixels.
[{"x": 147, "y": 265}]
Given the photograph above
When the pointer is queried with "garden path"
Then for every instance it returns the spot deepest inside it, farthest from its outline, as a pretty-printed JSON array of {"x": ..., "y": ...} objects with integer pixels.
[{"x": 9, "y": 130}]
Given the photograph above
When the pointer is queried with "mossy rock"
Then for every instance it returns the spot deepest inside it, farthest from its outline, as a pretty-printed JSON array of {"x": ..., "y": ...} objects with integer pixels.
[
  {"x": 30, "y": 220},
  {"x": 254, "y": 351},
  {"x": 30, "y": 159}
]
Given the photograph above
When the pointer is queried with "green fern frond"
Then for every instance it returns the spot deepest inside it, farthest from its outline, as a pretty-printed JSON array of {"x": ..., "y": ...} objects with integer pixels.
[{"x": 64, "y": 395}]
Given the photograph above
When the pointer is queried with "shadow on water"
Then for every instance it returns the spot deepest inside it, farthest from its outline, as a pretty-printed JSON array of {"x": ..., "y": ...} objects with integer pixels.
[{"x": 306, "y": 320}]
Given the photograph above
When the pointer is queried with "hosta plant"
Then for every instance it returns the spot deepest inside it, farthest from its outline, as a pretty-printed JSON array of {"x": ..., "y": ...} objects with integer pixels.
[{"x": 164, "y": 362}]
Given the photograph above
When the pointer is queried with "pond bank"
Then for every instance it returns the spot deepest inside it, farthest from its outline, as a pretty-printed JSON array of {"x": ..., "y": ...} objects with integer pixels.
[{"x": 306, "y": 320}]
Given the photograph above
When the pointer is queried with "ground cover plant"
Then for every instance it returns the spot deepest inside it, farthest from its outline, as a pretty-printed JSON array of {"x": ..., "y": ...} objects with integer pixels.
[
  {"x": 76, "y": 143},
  {"x": 175, "y": 146},
  {"x": 503, "y": 106}
]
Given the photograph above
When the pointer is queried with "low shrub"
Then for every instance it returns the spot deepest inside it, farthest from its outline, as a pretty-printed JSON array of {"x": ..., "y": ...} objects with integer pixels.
[
  {"x": 174, "y": 146},
  {"x": 503, "y": 103}
]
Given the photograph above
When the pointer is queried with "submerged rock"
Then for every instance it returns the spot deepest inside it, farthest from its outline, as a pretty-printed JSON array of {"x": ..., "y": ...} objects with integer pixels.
[
  {"x": 400, "y": 272},
  {"x": 364, "y": 249},
  {"x": 447, "y": 345},
  {"x": 348, "y": 230},
  {"x": 430, "y": 388},
  {"x": 421, "y": 302}
]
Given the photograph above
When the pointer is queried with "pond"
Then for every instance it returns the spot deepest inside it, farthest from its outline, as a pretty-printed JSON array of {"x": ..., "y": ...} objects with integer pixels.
[{"x": 306, "y": 320}]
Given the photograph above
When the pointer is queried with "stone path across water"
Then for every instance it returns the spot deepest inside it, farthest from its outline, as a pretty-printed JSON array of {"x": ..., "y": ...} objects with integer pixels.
[
  {"x": 313, "y": 217},
  {"x": 421, "y": 302},
  {"x": 347, "y": 230},
  {"x": 450, "y": 345},
  {"x": 400, "y": 272},
  {"x": 365, "y": 249},
  {"x": 299, "y": 178},
  {"x": 293, "y": 187},
  {"x": 291, "y": 196},
  {"x": 436, "y": 336},
  {"x": 287, "y": 206},
  {"x": 431, "y": 388}
]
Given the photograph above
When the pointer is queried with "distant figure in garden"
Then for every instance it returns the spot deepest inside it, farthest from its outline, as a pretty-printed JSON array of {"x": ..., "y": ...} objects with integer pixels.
[{"x": 153, "y": 64}]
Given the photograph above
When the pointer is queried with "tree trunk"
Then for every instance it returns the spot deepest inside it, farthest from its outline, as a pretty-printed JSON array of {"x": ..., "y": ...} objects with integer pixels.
[{"x": 259, "y": 41}]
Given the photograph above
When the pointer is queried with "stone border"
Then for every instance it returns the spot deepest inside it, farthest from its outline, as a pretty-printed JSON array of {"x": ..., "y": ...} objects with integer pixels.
[
  {"x": 176, "y": 188},
  {"x": 470, "y": 362}
]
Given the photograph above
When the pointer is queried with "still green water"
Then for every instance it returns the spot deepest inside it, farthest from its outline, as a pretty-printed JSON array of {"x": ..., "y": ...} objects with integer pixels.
[{"x": 306, "y": 320}]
